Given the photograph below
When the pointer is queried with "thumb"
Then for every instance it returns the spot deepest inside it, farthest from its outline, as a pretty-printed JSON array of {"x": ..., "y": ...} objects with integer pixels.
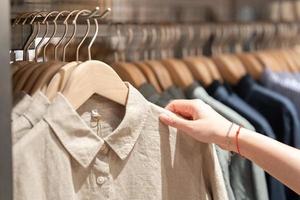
[{"x": 176, "y": 122}]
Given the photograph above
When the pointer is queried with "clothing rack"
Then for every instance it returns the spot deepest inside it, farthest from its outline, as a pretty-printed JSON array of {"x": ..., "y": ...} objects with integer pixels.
[
  {"x": 14, "y": 38},
  {"x": 260, "y": 33},
  {"x": 5, "y": 105}
]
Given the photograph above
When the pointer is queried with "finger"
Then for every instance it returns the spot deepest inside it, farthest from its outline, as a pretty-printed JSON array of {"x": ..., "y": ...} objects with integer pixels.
[
  {"x": 176, "y": 122},
  {"x": 182, "y": 107}
]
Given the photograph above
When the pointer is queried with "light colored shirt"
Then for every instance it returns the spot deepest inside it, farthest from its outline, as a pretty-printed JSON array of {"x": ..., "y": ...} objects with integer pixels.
[
  {"x": 113, "y": 152},
  {"x": 21, "y": 103},
  {"x": 30, "y": 117}
]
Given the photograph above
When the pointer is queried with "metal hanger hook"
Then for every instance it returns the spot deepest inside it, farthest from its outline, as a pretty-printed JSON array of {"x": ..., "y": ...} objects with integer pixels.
[
  {"x": 46, "y": 32},
  {"x": 53, "y": 33},
  {"x": 65, "y": 22},
  {"x": 74, "y": 23}
]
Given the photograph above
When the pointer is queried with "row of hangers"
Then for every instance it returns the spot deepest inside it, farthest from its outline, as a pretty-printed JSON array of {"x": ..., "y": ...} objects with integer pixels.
[
  {"x": 151, "y": 59},
  {"x": 76, "y": 80}
]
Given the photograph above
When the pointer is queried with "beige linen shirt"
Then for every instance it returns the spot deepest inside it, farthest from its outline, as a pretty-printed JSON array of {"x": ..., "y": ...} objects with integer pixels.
[
  {"x": 22, "y": 101},
  {"x": 114, "y": 153},
  {"x": 30, "y": 117}
]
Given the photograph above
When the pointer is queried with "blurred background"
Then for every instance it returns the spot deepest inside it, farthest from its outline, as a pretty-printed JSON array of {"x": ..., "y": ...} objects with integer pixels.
[{"x": 176, "y": 10}]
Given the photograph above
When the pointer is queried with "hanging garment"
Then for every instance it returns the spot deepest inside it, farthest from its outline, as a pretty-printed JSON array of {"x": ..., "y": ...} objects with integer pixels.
[
  {"x": 21, "y": 103},
  {"x": 286, "y": 84},
  {"x": 229, "y": 98},
  {"x": 243, "y": 179},
  {"x": 277, "y": 109},
  {"x": 176, "y": 93},
  {"x": 195, "y": 91},
  {"x": 30, "y": 117},
  {"x": 150, "y": 93},
  {"x": 113, "y": 157},
  {"x": 162, "y": 100}
]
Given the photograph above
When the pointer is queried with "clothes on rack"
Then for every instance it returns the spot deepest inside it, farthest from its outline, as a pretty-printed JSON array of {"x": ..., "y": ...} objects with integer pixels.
[
  {"x": 89, "y": 130},
  {"x": 283, "y": 83},
  {"x": 66, "y": 156}
]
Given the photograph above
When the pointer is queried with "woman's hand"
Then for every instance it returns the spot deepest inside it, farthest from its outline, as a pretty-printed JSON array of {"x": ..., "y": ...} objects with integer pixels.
[
  {"x": 198, "y": 120},
  {"x": 206, "y": 125}
]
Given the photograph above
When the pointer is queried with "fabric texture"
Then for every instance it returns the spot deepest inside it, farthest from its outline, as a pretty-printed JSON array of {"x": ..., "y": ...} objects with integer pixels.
[
  {"x": 162, "y": 100},
  {"x": 150, "y": 93},
  {"x": 228, "y": 97},
  {"x": 176, "y": 93},
  {"x": 21, "y": 103},
  {"x": 124, "y": 156},
  {"x": 243, "y": 179},
  {"x": 30, "y": 117}
]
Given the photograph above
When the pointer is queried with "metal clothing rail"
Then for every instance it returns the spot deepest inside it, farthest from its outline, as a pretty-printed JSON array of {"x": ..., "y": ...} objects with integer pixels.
[
  {"x": 5, "y": 105},
  {"x": 21, "y": 33}
]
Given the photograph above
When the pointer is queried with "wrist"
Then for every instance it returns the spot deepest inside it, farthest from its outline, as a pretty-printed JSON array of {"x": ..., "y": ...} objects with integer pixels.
[{"x": 227, "y": 138}]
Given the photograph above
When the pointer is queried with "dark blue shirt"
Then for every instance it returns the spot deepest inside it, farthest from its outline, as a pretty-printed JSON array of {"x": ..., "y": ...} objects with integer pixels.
[{"x": 280, "y": 112}]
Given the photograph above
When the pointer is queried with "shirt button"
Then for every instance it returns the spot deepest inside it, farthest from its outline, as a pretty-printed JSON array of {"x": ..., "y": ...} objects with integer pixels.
[
  {"x": 104, "y": 149},
  {"x": 101, "y": 180}
]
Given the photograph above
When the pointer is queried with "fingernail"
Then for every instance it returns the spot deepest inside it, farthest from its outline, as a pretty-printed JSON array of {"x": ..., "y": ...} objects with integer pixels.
[{"x": 166, "y": 118}]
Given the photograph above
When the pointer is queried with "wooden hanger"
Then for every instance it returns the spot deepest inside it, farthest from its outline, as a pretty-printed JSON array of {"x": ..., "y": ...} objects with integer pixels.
[
  {"x": 295, "y": 55},
  {"x": 212, "y": 68},
  {"x": 21, "y": 76},
  {"x": 289, "y": 59},
  {"x": 18, "y": 65},
  {"x": 252, "y": 65},
  {"x": 94, "y": 77},
  {"x": 149, "y": 74},
  {"x": 49, "y": 67},
  {"x": 42, "y": 77},
  {"x": 199, "y": 71},
  {"x": 282, "y": 65},
  {"x": 267, "y": 61},
  {"x": 231, "y": 69},
  {"x": 129, "y": 72},
  {"x": 59, "y": 80},
  {"x": 44, "y": 74},
  {"x": 161, "y": 73},
  {"x": 179, "y": 72}
]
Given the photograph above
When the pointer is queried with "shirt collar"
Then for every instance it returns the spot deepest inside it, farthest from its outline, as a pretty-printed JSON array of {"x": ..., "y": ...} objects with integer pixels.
[
  {"x": 79, "y": 139},
  {"x": 40, "y": 104}
]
